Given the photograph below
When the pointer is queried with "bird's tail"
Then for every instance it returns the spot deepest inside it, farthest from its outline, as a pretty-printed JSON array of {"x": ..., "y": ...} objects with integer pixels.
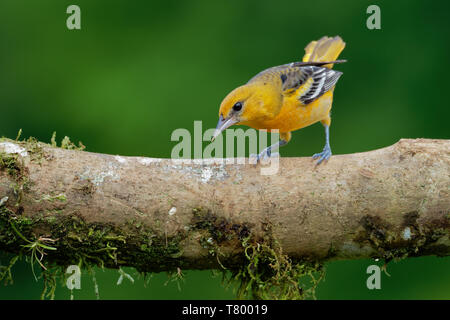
[{"x": 324, "y": 49}]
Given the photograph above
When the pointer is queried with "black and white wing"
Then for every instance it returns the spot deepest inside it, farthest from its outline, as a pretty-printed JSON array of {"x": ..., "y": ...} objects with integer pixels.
[{"x": 308, "y": 83}]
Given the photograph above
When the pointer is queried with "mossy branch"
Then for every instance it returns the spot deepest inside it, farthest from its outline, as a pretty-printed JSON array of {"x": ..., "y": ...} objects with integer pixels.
[{"x": 164, "y": 215}]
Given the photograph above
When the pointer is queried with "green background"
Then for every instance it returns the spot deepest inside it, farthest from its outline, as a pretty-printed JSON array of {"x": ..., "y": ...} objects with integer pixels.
[{"x": 137, "y": 70}]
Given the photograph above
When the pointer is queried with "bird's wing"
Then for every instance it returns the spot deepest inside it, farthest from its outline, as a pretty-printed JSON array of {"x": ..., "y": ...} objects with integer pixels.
[{"x": 307, "y": 83}]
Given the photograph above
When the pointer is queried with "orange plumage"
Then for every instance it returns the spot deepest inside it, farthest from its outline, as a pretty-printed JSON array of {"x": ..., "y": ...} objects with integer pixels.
[{"x": 288, "y": 97}]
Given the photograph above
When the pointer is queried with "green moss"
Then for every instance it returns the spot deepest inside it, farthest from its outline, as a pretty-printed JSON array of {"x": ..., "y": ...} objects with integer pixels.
[
  {"x": 389, "y": 243},
  {"x": 67, "y": 144},
  {"x": 94, "y": 244},
  {"x": 84, "y": 244},
  {"x": 60, "y": 197},
  {"x": 380, "y": 236},
  {"x": 19, "y": 134},
  {"x": 5, "y": 271},
  {"x": 12, "y": 164},
  {"x": 268, "y": 273},
  {"x": 219, "y": 229},
  {"x": 34, "y": 149},
  {"x": 263, "y": 271},
  {"x": 50, "y": 278}
]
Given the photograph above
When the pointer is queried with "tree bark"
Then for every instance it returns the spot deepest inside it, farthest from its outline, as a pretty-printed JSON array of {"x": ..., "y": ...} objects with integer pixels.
[{"x": 161, "y": 214}]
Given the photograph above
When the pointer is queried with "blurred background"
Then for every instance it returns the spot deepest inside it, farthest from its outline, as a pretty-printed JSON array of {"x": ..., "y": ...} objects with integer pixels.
[{"x": 137, "y": 70}]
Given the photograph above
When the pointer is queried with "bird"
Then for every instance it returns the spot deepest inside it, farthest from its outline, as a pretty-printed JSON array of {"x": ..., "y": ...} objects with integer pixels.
[{"x": 288, "y": 97}]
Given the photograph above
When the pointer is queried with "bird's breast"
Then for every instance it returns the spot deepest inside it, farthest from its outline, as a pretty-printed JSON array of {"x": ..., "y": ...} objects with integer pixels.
[{"x": 294, "y": 115}]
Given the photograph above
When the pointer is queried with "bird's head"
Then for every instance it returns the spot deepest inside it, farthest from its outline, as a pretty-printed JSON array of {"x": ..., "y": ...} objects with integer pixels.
[{"x": 250, "y": 103}]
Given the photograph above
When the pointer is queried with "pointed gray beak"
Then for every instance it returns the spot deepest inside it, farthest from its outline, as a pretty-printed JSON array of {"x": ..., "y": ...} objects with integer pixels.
[{"x": 223, "y": 124}]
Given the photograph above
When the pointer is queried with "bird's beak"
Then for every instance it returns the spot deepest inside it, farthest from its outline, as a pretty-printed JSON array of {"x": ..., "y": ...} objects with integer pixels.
[{"x": 223, "y": 124}]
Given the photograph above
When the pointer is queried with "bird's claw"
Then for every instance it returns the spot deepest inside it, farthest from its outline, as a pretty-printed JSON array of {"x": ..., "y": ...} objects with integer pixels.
[
  {"x": 324, "y": 155},
  {"x": 264, "y": 156}
]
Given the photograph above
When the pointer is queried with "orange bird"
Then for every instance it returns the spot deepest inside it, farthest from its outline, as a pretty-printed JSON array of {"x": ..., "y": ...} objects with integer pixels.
[{"x": 288, "y": 97}]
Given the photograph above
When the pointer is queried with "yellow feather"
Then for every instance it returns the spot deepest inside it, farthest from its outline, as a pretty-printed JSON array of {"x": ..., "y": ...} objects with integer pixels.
[{"x": 325, "y": 49}]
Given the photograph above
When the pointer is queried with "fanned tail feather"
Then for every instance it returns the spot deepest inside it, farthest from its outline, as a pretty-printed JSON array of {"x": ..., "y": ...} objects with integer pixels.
[{"x": 324, "y": 49}]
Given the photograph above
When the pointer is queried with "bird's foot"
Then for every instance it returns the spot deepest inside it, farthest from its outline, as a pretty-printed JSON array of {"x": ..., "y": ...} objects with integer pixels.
[
  {"x": 324, "y": 155},
  {"x": 263, "y": 156}
]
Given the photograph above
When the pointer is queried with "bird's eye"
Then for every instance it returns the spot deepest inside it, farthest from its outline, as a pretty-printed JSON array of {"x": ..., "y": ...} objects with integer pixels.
[{"x": 237, "y": 106}]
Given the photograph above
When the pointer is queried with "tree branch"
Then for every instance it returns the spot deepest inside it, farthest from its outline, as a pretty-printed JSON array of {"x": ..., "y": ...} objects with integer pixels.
[{"x": 159, "y": 214}]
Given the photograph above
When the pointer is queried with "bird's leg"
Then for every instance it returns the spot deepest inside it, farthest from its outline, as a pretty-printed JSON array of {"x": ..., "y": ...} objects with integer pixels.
[
  {"x": 326, "y": 153},
  {"x": 267, "y": 152}
]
